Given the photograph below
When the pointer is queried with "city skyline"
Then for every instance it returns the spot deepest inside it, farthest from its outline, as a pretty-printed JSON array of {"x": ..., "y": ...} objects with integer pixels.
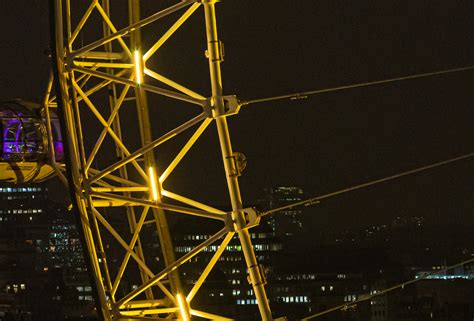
[{"x": 343, "y": 266}]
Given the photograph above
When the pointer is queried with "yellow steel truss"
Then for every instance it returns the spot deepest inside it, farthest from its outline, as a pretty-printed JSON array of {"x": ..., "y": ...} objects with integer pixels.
[{"x": 116, "y": 63}]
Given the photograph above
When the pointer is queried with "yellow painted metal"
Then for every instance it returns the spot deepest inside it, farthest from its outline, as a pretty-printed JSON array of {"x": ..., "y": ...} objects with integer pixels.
[
  {"x": 132, "y": 27},
  {"x": 138, "y": 304},
  {"x": 209, "y": 267},
  {"x": 140, "y": 152},
  {"x": 153, "y": 182},
  {"x": 120, "y": 65},
  {"x": 123, "y": 265},
  {"x": 99, "y": 86},
  {"x": 121, "y": 241},
  {"x": 112, "y": 28},
  {"x": 185, "y": 150},
  {"x": 29, "y": 170},
  {"x": 82, "y": 22},
  {"x": 121, "y": 189},
  {"x": 147, "y": 87},
  {"x": 117, "y": 104},
  {"x": 74, "y": 162},
  {"x": 172, "y": 267},
  {"x": 183, "y": 307},
  {"x": 51, "y": 154},
  {"x": 145, "y": 130},
  {"x": 191, "y": 202},
  {"x": 107, "y": 127},
  {"x": 149, "y": 311},
  {"x": 173, "y": 84},
  {"x": 170, "y": 31},
  {"x": 160, "y": 205},
  {"x": 118, "y": 179},
  {"x": 215, "y": 58},
  {"x": 138, "y": 66},
  {"x": 103, "y": 55},
  {"x": 209, "y": 316},
  {"x": 130, "y": 183}
]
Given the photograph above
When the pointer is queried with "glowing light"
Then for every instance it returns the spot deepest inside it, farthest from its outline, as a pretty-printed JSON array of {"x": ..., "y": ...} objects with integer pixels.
[
  {"x": 154, "y": 190},
  {"x": 182, "y": 307},
  {"x": 138, "y": 67}
]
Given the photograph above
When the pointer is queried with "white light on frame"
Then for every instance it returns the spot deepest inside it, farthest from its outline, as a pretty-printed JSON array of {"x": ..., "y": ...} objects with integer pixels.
[
  {"x": 182, "y": 307},
  {"x": 154, "y": 190},
  {"x": 138, "y": 67}
]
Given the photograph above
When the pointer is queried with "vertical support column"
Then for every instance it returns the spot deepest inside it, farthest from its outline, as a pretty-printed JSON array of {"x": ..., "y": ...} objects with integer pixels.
[
  {"x": 214, "y": 55},
  {"x": 149, "y": 158}
]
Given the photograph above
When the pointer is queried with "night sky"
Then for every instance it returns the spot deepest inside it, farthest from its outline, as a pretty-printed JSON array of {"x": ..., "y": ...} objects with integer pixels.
[{"x": 326, "y": 142}]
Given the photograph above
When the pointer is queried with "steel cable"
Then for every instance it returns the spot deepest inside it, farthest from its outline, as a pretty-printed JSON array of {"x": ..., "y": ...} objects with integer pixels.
[{"x": 305, "y": 94}]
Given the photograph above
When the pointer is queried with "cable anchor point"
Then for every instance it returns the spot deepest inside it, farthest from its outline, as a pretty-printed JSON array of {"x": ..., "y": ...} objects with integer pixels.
[
  {"x": 221, "y": 106},
  {"x": 244, "y": 219}
]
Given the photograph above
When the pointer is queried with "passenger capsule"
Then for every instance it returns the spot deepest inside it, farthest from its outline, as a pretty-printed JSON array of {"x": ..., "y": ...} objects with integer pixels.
[{"x": 24, "y": 147}]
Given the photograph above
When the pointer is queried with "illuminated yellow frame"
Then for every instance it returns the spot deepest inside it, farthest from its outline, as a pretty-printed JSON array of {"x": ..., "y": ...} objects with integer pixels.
[{"x": 112, "y": 186}]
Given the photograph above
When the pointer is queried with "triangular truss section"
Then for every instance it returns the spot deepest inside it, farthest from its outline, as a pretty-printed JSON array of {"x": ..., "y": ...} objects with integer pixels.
[{"x": 103, "y": 91}]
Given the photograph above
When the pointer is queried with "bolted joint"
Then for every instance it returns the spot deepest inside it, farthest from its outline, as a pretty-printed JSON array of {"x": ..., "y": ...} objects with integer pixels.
[
  {"x": 86, "y": 188},
  {"x": 69, "y": 63},
  {"x": 237, "y": 164},
  {"x": 221, "y": 106},
  {"x": 243, "y": 219},
  {"x": 256, "y": 275},
  {"x": 252, "y": 217},
  {"x": 114, "y": 312}
]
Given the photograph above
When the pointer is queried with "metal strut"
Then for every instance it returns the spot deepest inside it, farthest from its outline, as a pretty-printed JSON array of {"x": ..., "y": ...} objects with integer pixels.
[
  {"x": 129, "y": 184},
  {"x": 149, "y": 158},
  {"x": 214, "y": 54}
]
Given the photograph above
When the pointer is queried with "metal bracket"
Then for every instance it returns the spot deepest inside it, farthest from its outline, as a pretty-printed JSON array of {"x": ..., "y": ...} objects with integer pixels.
[
  {"x": 239, "y": 162},
  {"x": 259, "y": 273},
  {"x": 249, "y": 219},
  {"x": 220, "y": 51},
  {"x": 230, "y": 106}
]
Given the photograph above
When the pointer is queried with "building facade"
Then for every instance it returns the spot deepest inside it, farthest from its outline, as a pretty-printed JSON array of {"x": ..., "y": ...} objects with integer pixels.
[{"x": 41, "y": 259}]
